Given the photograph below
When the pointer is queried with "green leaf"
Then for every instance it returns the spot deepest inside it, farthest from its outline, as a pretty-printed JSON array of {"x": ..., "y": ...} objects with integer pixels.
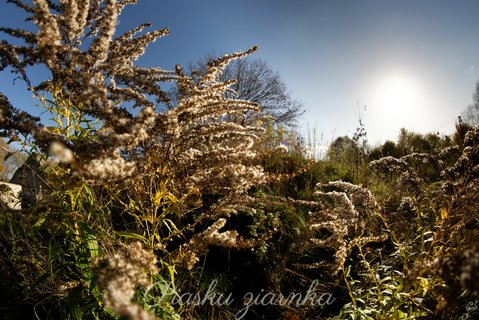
[
  {"x": 93, "y": 247},
  {"x": 74, "y": 300},
  {"x": 39, "y": 222},
  {"x": 131, "y": 235},
  {"x": 400, "y": 315},
  {"x": 347, "y": 271}
]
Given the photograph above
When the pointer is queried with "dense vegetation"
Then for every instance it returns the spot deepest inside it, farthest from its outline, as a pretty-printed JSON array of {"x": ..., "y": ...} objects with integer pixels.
[{"x": 209, "y": 209}]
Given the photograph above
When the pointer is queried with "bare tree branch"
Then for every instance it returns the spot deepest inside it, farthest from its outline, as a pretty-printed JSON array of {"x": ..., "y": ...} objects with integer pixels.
[{"x": 255, "y": 81}]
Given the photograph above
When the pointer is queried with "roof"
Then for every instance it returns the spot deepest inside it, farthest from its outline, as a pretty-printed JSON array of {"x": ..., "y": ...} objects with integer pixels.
[{"x": 30, "y": 174}]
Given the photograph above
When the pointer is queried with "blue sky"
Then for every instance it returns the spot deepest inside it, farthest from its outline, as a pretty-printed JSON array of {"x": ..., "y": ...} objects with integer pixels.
[{"x": 413, "y": 64}]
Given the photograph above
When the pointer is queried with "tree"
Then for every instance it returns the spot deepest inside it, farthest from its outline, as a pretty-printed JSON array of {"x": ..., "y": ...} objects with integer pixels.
[
  {"x": 342, "y": 150},
  {"x": 384, "y": 150},
  {"x": 411, "y": 142},
  {"x": 255, "y": 81},
  {"x": 389, "y": 149},
  {"x": 471, "y": 114}
]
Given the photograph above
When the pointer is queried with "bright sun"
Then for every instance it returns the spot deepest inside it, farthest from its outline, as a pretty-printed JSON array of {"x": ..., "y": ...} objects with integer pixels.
[
  {"x": 396, "y": 100},
  {"x": 398, "y": 93}
]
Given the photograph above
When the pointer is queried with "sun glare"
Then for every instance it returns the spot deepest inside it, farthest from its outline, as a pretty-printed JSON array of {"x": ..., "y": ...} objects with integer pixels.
[
  {"x": 398, "y": 93},
  {"x": 396, "y": 100}
]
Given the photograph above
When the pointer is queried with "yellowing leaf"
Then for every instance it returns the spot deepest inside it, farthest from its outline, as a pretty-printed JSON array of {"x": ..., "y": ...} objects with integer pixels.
[
  {"x": 157, "y": 198},
  {"x": 170, "y": 225},
  {"x": 54, "y": 130},
  {"x": 171, "y": 197},
  {"x": 171, "y": 270},
  {"x": 443, "y": 212}
]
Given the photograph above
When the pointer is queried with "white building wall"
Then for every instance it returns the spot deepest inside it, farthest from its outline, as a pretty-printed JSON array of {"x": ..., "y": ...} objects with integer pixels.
[{"x": 10, "y": 195}]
